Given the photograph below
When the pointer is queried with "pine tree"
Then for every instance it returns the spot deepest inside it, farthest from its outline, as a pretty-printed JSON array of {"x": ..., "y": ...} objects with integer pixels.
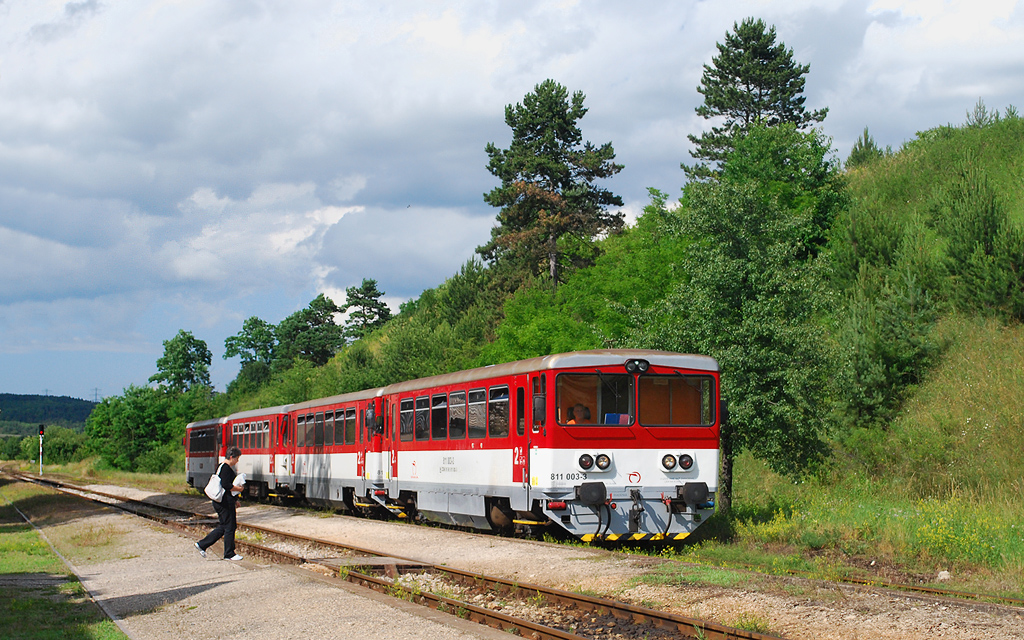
[
  {"x": 310, "y": 333},
  {"x": 369, "y": 312},
  {"x": 864, "y": 151},
  {"x": 551, "y": 210},
  {"x": 751, "y": 81}
]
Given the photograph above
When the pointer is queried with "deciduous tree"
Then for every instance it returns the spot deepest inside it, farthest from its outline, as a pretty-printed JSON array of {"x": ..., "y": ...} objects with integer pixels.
[
  {"x": 185, "y": 363},
  {"x": 254, "y": 343},
  {"x": 753, "y": 301}
]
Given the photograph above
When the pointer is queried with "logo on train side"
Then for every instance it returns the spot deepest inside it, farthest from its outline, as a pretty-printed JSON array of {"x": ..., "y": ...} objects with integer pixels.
[{"x": 634, "y": 478}]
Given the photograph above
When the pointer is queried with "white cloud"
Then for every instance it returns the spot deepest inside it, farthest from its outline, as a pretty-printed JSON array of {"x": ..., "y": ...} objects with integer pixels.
[{"x": 191, "y": 163}]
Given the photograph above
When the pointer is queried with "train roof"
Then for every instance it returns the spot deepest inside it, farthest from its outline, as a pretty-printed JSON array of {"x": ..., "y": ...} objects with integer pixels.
[
  {"x": 366, "y": 394},
  {"x": 256, "y": 413},
  {"x": 205, "y": 423},
  {"x": 592, "y": 358}
]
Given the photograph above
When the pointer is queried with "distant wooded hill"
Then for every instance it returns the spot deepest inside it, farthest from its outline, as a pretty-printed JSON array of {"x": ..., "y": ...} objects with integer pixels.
[{"x": 44, "y": 409}]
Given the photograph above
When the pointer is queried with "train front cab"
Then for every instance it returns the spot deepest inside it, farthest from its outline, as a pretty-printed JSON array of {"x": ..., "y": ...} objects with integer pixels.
[{"x": 639, "y": 461}]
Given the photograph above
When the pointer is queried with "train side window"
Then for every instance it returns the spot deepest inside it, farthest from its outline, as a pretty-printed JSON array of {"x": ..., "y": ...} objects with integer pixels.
[
  {"x": 310, "y": 430},
  {"x": 350, "y": 425},
  {"x": 497, "y": 412},
  {"x": 328, "y": 428},
  {"x": 300, "y": 431},
  {"x": 318, "y": 430},
  {"x": 360, "y": 426},
  {"x": 423, "y": 418},
  {"x": 520, "y": 411},
  {"x": 457, "y": 415},
  {"x": 439, "y": 417},
  {"x": 477, "y": 413},
  {"x": 407, "y": 419}
]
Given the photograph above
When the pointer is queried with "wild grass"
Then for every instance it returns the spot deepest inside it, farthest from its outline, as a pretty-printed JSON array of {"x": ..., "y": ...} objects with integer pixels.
[{"x": 92, "y": 471}]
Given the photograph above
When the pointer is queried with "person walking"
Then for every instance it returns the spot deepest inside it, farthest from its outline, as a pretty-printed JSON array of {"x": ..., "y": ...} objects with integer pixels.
[{"x": 225, "y": 509}]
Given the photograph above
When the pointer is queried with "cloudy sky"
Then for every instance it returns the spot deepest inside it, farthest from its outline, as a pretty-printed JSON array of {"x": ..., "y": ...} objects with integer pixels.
[{"x": 186, "y": 164}]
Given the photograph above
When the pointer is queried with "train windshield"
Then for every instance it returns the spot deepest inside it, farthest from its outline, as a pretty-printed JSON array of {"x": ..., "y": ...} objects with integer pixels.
[
  {"x": 677, "y": 400},
  {"x": 595, "y": 399}
]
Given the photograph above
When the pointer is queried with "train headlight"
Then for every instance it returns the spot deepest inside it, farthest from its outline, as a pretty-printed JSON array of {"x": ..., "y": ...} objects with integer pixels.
[
  {"x": 586, "y": 461},
  {"x": 603, "y": 461},
  {"x": 685, "y": 461},
  {"x": 668, "y": 461},
  {"x": 633, "y": 366}
]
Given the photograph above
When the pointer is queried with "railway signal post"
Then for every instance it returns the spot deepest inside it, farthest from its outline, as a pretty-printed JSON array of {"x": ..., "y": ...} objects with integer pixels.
[{"x": 41, "y": 429}]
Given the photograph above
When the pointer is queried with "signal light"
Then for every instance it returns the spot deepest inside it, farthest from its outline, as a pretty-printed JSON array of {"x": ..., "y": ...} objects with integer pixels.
[
  {"x": 586, "y": 461},
  {"x": 603, "y": 461},
  {"x": 41, "y": 429},
  {"x": 668, "y": 461},
  {"x": 685, "y": 461}
]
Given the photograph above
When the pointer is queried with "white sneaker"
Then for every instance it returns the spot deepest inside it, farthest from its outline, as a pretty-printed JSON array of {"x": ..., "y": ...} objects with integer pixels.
[
  {"x": 234, "y": 557},
  {"x": 200, "y": 550}
]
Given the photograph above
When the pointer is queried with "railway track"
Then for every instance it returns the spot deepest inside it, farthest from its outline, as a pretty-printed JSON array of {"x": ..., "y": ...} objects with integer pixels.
[{"x": 528, "y": 610}]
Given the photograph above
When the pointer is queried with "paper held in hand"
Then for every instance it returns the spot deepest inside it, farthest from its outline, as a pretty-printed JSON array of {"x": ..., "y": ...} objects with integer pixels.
[{"x": 239, "y": 482}]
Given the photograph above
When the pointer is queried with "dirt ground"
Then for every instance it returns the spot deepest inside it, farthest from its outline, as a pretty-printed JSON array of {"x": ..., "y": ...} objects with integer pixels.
[{"x": 792, "y": 608}]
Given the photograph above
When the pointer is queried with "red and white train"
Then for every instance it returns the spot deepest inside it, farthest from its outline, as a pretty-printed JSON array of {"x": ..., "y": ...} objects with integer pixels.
[{"x": 607, "y": 444}]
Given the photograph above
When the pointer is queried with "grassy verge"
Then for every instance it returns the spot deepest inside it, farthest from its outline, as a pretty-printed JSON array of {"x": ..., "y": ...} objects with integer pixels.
[{"x": 40, "y": 599}]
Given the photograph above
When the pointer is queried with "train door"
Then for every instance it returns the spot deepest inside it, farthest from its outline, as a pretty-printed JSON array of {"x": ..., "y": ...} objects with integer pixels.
[
  {"x": 272, "y": 445},
  {"x": 536, "y": 431},
  {"x": 361, "y": 438},
  {"x": 520, "y": 432},
  {"x": 392, "y": 443},
  {"x": 284, "y": 452},
  {"x": 374, "y": 446}
]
